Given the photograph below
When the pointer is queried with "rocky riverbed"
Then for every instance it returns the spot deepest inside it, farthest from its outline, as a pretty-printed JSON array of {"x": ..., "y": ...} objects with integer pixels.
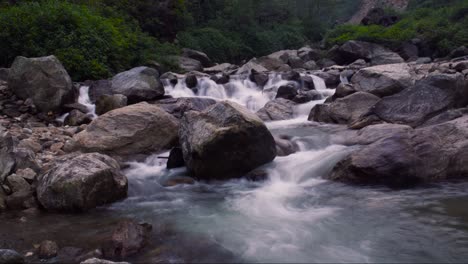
[{"x": 249, "y": 163}]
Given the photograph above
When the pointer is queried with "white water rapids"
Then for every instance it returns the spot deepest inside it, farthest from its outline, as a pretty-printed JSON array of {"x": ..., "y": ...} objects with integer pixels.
[{"x": 295, "y": 215}]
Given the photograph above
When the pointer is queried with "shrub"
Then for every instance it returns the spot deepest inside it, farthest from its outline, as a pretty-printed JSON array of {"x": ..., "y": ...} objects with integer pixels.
[{"x": 89, "y": 45}]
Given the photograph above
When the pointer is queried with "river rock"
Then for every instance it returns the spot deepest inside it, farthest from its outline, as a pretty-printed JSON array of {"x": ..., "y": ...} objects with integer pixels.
[
  {"x": 272, "y": 64},
  {"x": 43, "y": 79},
  {"x": 310, "y": 65},
  {"x": 375, "y": 54},
  {"x": 128, "y": 238},
  {"x": 101, "y": 261},
  {"x": 225, "y": 141},
  {"x": 285, "y": 146},
  {"x": 106, "y": 103},
  {"x": 77, "y": 118},
  {"x": 8, "y": 256},
  {"x": 176, "y": 158},
  {"x": 178, "y": 106},
  {"x": 22, "y": 199},
  {"x": 138, "y": 84},
  {"x": 17, "y": 183},
  {"x": 197, "y": 55},
  {"x": 383, "y": 80},
  {"x": 191, "y": 81},
  {"x": 295, "y": 62},
  {"x": 259, "y": 78},
  {"x": 187, "y": 64},
  {"x": 79, "y": 182},
  {"x": 414, "y": 105},
  {"x": 47, "y": 249},
  {"x": 136, "y": 129},
  {"x": 249, "y": 66},
  {"x": 343, "y": 90},
  {"x": 283, "y": 55},
  {"x": 306, "y": 96},
  {"x": 344, "y": 110},
  {"x": 459, "y": 52},
  {"x": 278, "y": 109},
  {"x": 307, "y": 54},
  {"x": 288, "y": 91},
  {"x": 221, "y": 68},
  {"x": 422, "y": 155}
]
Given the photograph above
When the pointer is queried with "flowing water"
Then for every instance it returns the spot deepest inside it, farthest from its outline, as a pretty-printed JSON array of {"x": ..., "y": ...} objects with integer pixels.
[{"x": 293, "y": 216}]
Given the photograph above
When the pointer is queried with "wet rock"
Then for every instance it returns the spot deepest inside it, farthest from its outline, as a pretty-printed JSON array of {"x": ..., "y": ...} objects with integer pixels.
[
  {"x": 220, "y": 79},
  {"x": 414, "y": 105},
  {"x": 331, "y": 78},
  {"x": 191, "y": 81},
  {"x": 257, "y": 175},
  {"x": 138, "y": 84},
  {"x": 306, "y": 96},
  {"x": 344, "y": 110},
  {"x": 77, "y": 106},
  {"x": 278, "y": 109},
  {"x": 291, "y": 76},
  {"x": 283, "y": 55},
  {"x": 272, "y": 64},
  {"x": 325, "y": 62},
  {"x": 81, "y": 182},
  {"x": 128, "y": 238},
  {"x": 310, "y": 65},
  {"x": 77, "y": 118},
  {"x": 307, "y": 54},
  {"x": 221, "y": 68},
  {"x": 258, "y": 78},
  {"x": 423, "y": 155},
  {"x": 383, "y": 80},
  {"x": 101, "y": 261},
  {"x": 225, "y": 141},
  {"x": 285, "y": 146},
  {"x": 295, "y": 62},
  {"x": 98, "y": 88},
  {"x": 459, "y": 52},
  {"x": 23, "y": 199},
  {"x": 375, "y": 54},
  {"x": 176, "y": 158},
  {"x": 17, "y": 183},
  {"x": 178, "y": 106},
  {"x": 197, "y": 55},
  {"x": 107, "y": 103},
  {"x": 8, "y": 256},
  {"x": 288, "y": 91},
  {"x": 187, "y": 64},
  {"x": 47, "y": 249},
  {"x": 249, "y": 66},
  {"x": 343, "y": 90},
  {"x": 43, "y": 79},
  {"x": 136, "y": 129}
]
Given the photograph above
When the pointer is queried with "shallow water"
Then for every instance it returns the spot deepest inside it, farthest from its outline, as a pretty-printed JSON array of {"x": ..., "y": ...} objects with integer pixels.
[{"x": 293, "y": 216}]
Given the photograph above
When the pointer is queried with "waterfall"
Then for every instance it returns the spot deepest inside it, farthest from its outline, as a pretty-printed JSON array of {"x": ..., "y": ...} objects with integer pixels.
[{"x": 86, "y": 101}]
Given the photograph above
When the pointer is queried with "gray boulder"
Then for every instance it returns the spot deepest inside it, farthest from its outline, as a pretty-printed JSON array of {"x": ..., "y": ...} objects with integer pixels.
[
  {"x": 127, "y": 239},
  {"x": 178, "y": 106},
  {"x": 278, "y": 109},
  {"x": 136, "y": 129},
  {"x": 344, "y": 110},
  {"x": 8, "y": 256},
  {"x": 79, "y": 182},
  {"x": 187, "y": 64},
  {"x": 429, "y": 97},
  {"x": 249, "y": 66},
  {"x": 375, "y": 54},
  {"x": 197, "y": 55},
  {"x": 383, "y": 80},
  {"x": 410, "y": 157},
  {"x": 225, "y": 141},
  {"x": 106, "y": 103},
  {"x": 77, "y": 118},
  {"x": 138, "y": 84},
  {"x": 221, "y": 68},
  {"x": 308, "y": 53},
  {"x": 43, "y": 79}
]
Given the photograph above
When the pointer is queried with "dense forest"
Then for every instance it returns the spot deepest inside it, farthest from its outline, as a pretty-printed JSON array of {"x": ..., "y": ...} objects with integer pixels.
[{"x": 96, "y": 38}]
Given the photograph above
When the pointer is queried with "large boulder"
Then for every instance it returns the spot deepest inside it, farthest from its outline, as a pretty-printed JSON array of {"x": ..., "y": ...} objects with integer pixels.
[
  {"x": 409, "y": 157},
  {"x": 15, "y": 157},
  {"x": 138, "y": 84},
  {"x": 187, "y": 64},
  {"x": 225, "y": 141},
  {"x": 344, "y": 110},
  {"x": 383, "y": 80},
  {"x": 136, "y": 129},
  {"x": 278, "y": 109},
  {"x": 106, "y": 103},
  {"x": 221, "y": 68},
  {"x": 197, "y": 55},
  {"x": 178, "y": 106},
  {"x": 272, "y": 64},
  {"x": 283, "y": 55},
  {"x": 81, "y": 182},
  {"x": 428, "y": 97},
  {"x": 308, "y": 53},
  {"x": 375, "y": 54},
  {"x": 249, "y": 66},
  {"x": 43, "y": 79}
]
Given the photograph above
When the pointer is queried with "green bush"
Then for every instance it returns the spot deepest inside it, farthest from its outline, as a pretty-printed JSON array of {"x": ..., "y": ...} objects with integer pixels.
[
  {"x": 89, "y": 45},
  {"x": 443, "y": 29}
]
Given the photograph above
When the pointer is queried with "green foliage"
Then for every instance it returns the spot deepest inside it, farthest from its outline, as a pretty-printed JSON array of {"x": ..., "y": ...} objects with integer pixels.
[
  {"x": 89, "y": 45},
  {"x": 444, "y": 28}
]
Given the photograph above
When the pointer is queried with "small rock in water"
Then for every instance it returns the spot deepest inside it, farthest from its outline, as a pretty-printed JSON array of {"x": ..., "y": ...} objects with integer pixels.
[
  {"x": 8, "y": 256},
  {"x": 128, "y": 238},
  {"x": 47, "y": 249},
  {"x": 176, "y": 158}
]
